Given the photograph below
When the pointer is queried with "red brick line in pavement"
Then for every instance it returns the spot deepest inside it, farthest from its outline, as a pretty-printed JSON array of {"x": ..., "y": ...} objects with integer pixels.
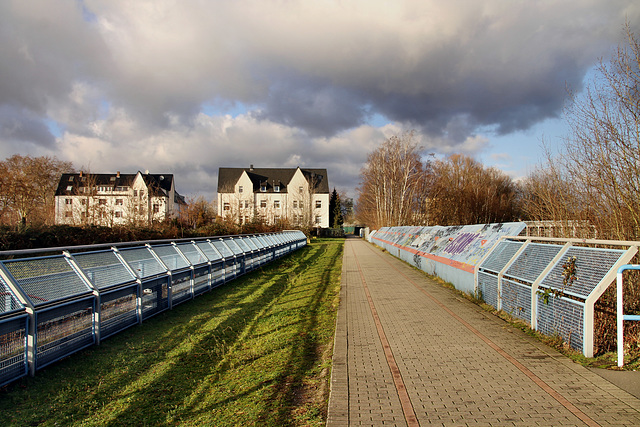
[
  {"x": 403, "y": 395},
  {"x": 537, "y": 380}
]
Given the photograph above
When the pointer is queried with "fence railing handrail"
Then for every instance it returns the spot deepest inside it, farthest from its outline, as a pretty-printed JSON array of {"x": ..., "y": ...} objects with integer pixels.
[{"x": 76, "y": 248}]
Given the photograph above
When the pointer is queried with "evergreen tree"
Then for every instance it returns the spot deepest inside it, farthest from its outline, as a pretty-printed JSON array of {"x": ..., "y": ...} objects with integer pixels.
[{"x": 335, "y": 210}]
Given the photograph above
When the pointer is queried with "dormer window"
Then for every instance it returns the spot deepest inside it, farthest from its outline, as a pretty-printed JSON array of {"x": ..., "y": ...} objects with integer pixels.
[
  {"x": 276, "y": 188},
  {"x": 263, "y": 188}
]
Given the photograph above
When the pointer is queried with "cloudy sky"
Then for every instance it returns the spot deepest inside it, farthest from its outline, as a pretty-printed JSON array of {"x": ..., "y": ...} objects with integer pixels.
[{"x": 188, "y": 86}]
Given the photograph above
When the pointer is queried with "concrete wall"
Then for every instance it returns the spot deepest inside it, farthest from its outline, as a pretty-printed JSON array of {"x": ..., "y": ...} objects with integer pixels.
[{"x": 450, "y": 253}]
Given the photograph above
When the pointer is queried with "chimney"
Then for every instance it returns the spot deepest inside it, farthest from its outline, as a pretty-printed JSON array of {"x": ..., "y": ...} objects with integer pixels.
[
  {"x": 118, "y": 174},
  {"x": 251, "y": 167},
  {"x": 80, "y": 174}
]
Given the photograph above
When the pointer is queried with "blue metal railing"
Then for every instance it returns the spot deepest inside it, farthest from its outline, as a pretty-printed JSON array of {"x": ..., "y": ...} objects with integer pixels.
[{"x": 55, "y": 305}]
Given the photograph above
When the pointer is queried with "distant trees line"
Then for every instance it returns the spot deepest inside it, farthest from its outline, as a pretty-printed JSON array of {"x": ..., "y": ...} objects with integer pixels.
[{"x": 594, "y": 180}]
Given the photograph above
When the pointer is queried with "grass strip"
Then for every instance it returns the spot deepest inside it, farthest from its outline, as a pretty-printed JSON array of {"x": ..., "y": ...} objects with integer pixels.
[{"x": 256, "y": 351}]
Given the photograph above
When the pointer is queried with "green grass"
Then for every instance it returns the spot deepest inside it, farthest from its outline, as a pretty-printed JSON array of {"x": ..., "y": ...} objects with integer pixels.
[{"x": 254, "y": 352}]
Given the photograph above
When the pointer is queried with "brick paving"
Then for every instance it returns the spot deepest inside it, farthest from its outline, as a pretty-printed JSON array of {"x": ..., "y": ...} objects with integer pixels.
[{"x": 495, "y": 376}]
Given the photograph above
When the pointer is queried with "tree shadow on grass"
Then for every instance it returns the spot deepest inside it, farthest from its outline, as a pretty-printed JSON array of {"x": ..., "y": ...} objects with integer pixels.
[{"x": 170, "y": 369}]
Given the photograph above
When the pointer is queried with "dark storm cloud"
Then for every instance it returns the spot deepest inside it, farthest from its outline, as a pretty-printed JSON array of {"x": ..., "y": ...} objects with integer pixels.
[
  {"x": 128, "y": 81},
  {"x": 319, "y": 108},
  {"x": 21, "y": 127}
]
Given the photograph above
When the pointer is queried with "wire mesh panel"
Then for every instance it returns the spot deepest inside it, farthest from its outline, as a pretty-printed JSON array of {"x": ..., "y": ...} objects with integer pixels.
[
  {"x": 532, "y": 261},
  {"x": 217, "y": 273},
  {"x": 181, "y": 286},
  {"x": 118, "y": 310},
  {"x": 201, "y": 281},
  {"x": 580, "y": 270},
  {"x": 563, "y": 317},
  {"x": 250, "y": 257},
  {"x": 258, "y": 250},
  {"x": 63, "y": 330},
  {"x": 170, "y": 257},
  {"x": 230, "y": 267},
  {"x": 241, "y": 266},
  {"x": 221, "y": 246},
  {"x": 209, "y": 251},
  {"x": 103, "y": 268},
  {"x": 269, "y": 253},
  {"x": 155, "y": 296},
  {"x": 142, "y": 262},
  {"x": 47, "y": 279},
  {"x": 9, "y": 303},
  {"x": 501, "y": 255},
  {"x": 516, "y": 299},
  {"x": 488, "y": 285},
  {"x": 13, "y": 348},
  {"x": 192, "y": 253}
]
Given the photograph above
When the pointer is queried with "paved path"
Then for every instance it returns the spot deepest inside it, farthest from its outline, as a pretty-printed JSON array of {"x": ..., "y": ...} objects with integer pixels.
[{"x": 411, "y": 352}]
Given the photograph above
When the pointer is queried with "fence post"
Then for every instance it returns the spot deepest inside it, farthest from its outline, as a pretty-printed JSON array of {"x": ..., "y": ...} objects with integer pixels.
[{"x": 620, "y": 312}]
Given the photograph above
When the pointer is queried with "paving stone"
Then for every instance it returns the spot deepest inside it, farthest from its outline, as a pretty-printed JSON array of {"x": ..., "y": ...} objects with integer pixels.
[{"x": 452, "y": 376}]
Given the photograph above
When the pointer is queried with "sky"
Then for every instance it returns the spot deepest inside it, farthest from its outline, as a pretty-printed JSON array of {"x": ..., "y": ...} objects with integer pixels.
[{"x": 189, "y": 86}]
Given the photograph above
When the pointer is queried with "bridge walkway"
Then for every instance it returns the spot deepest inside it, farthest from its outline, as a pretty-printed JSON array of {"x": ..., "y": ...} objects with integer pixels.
[{"x": 410, "y": 352}]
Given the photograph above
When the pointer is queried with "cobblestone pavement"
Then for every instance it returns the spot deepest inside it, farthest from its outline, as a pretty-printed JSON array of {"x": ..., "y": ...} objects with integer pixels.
[{"x": 411, "y": 352}]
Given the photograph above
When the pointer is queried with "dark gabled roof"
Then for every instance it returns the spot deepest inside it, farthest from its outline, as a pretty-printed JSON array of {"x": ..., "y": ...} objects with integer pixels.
[
  {"x": 228, "y": 177},
  {"x": 158, "y": 184}
]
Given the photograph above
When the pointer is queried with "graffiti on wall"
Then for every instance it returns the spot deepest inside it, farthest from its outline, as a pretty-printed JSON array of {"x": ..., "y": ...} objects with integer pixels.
[{"x": 466, "y": 244}]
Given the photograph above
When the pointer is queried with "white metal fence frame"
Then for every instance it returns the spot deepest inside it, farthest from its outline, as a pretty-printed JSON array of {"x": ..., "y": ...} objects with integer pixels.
[
  {"x": 521, "y": 275},
  {"x": 579, "y": 296}
]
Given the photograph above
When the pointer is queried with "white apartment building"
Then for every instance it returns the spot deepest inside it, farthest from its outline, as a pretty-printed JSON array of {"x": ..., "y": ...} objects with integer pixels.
[
  {"x": 300, "y": 196},
  {"x": 116, "y": 199}
]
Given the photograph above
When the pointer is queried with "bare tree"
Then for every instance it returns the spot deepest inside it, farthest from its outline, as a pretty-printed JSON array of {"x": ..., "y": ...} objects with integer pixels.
[
  {"x": 392, "y": 184},
  {"x": 28, "y": 185},
  {"x": 596, "y": 177},
  {"x": 462, "y": 191}
]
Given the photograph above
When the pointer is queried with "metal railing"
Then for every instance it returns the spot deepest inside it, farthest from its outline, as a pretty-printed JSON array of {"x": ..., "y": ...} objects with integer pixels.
[
  {"x": 551, "y": 283},
  {"x": 55, "y": 305}
]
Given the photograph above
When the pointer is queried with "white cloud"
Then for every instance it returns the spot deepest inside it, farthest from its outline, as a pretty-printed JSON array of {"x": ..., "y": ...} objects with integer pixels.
[{"x": 127, "y": 81}]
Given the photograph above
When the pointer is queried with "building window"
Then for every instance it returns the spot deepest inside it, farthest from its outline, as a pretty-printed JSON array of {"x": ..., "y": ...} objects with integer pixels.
[
  {"x": 102, "y": 201},
  {"x": 68, "y": 201},
  {"x": 263, "y": 188},
  {"x": 295, "y": 204},
  {"x": 141, "y": 193},
  {"x": 300, "y": 204},
  {"x": 318, "y": 219},
  {"x": 276, "y": 204},
  {"x": 246, "y": 204},
  {"x": 83, "y": 201},
  {"x": 69, "y": 187},
  {"x": 119, "y": 202},
  {"x": 276, "y": 188},
  {"x": 156, "y": 208},
  {"x": 276, "y": 218},
  {"x": 318, "y": 204},
  {"x": 135, "y": 193},
  {"x": 104, "y": 188},
  {"x": 227, "y": 206},
  {"x": 68, "y": 214},
  {"x": 71, "y": 178},
  {"x": 263, "y": 203},
  {"x": 118, "y": 214},
  {"x": 240, "y": 189},
  {"x": 300, "y": 189}
]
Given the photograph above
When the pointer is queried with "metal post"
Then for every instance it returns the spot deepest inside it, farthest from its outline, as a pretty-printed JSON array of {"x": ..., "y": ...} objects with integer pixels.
[{"x": 620, "y": 311}]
